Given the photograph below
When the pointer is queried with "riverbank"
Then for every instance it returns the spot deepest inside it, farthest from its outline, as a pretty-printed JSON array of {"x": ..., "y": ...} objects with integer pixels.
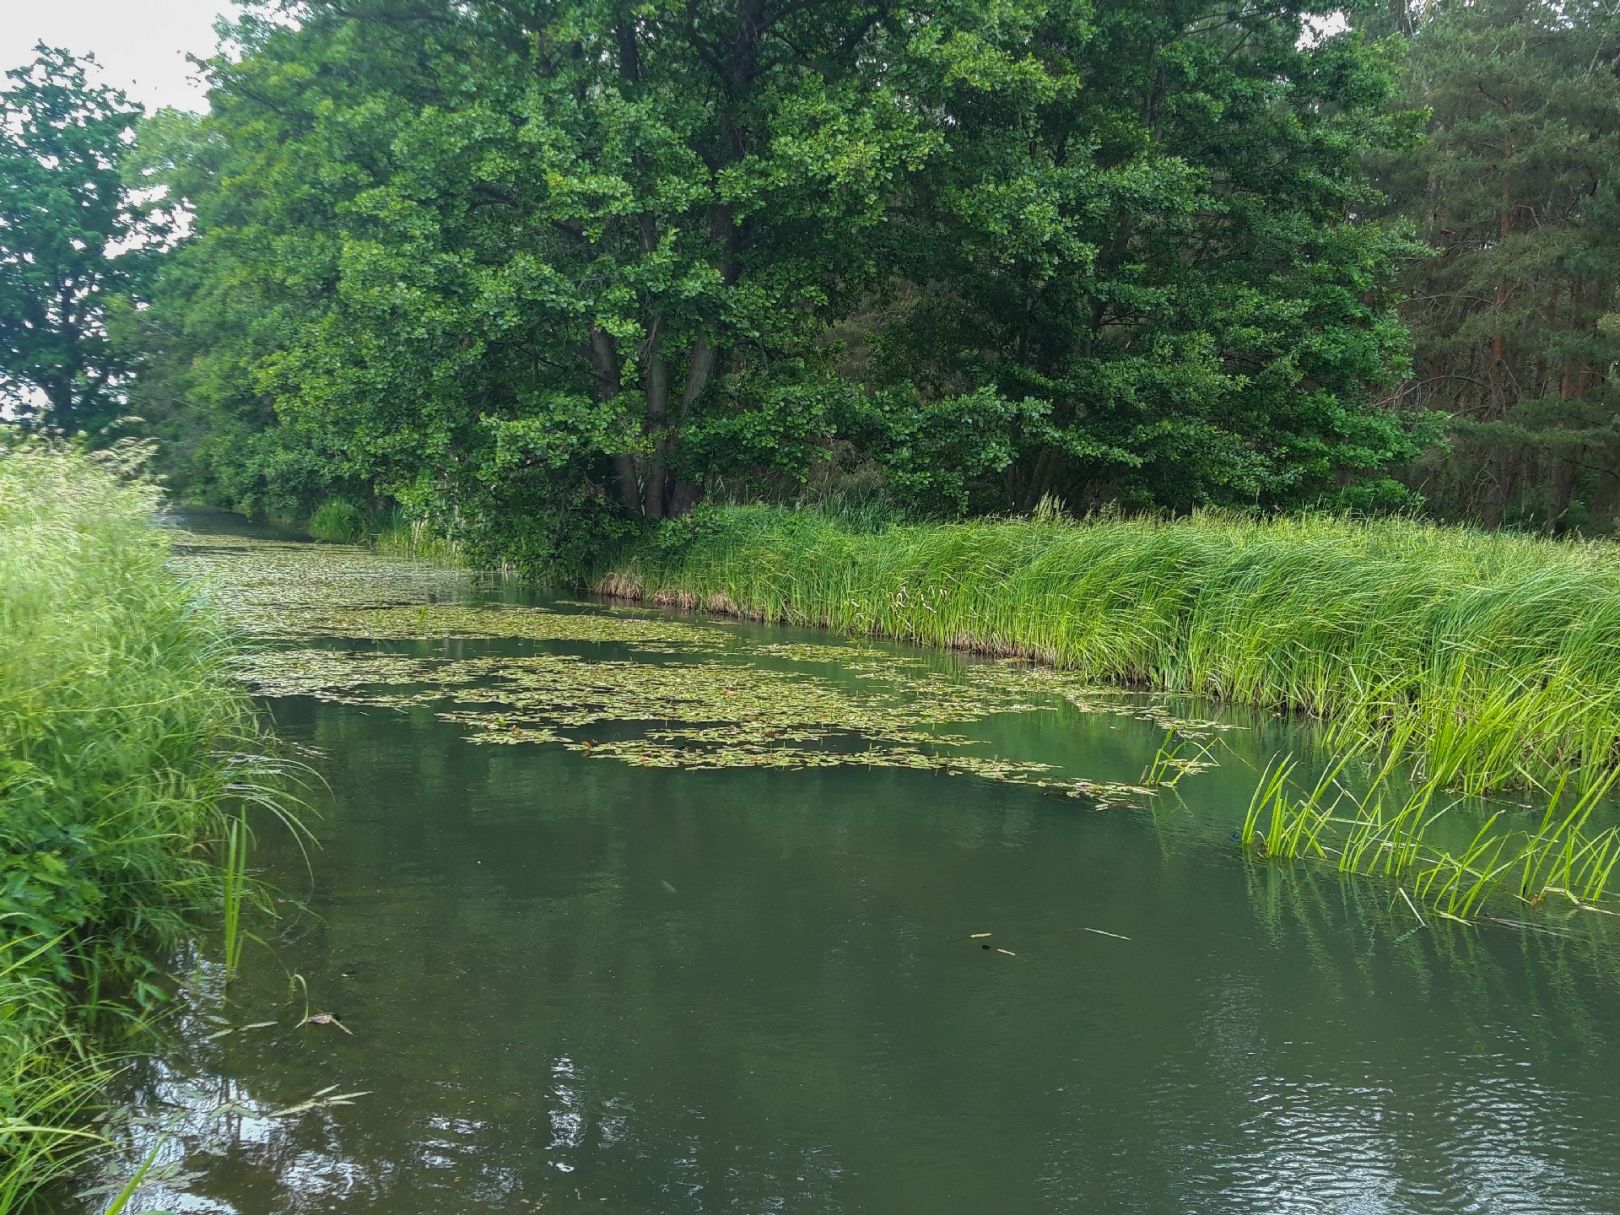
[
  {"x": 122, "y": 770},
  {"x": 1490, "y": 660}
]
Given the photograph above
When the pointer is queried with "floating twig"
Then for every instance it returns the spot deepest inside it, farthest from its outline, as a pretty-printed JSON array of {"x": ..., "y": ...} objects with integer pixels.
[
  {"x": 326, "y": 1097},
  {"x": 327, "y": 1019},
  {"x": 238, "y": 1029}
]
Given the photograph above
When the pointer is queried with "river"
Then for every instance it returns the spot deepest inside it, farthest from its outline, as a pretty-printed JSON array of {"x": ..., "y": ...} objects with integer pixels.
[{"x": 617, "y": 911}]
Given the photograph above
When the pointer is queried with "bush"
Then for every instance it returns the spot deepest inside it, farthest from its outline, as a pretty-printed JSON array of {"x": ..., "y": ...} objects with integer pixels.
[{"x": 338, "y": 521}]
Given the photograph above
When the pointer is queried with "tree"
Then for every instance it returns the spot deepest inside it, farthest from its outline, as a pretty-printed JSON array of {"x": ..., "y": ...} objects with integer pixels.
[
  {"x": 515, "y": 264},
  {"x": 1155, "y": 227},
  {"x": 1517, "y": 188},
  {"x": 67, "y": 225}
]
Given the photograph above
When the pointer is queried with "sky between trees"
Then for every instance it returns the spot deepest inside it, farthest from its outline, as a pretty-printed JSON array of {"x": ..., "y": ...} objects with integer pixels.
[{"x": 140, "y": 44}]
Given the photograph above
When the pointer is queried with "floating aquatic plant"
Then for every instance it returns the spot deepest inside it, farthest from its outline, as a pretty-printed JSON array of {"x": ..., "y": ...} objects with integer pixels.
[{"x": 693, "y": 695}]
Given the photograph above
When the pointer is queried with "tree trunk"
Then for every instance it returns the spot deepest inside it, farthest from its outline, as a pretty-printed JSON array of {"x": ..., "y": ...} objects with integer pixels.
[
  {"x": 1504, "y": 475},
  {"x": 1504, "y": 228},
  {"x": 1040, "y": 482},
  {"x": 1563, "y": 490},
  {"x": 1606, "y": 495},
  {"x": 605, "y": 365},
  {"x": 656, "y": 424}
]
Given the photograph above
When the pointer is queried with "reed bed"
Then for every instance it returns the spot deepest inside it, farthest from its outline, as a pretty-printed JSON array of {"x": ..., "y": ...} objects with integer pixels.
[
  {"x": 1490, "y": 660},
  {"x": 417, "y": 540},
  {"x": 127, "y": 758},
  {"x": 1411, "y": 839}
]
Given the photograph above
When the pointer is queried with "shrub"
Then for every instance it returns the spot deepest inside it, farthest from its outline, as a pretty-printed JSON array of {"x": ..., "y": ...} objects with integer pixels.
[{"x": 338, "y": 521}]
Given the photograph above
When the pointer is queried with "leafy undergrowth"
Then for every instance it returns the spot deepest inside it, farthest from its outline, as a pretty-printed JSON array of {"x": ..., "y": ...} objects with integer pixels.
[
  {"x": 1491, "y": 661},
  {"x": 128, "y": 757}
]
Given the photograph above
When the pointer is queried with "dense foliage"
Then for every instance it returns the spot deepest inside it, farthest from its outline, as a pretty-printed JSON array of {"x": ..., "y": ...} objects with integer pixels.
[
  {"x": 529, "y": 275},
  {"x": 1147, "y": 229},
  {"x": 541, "y": 272}
]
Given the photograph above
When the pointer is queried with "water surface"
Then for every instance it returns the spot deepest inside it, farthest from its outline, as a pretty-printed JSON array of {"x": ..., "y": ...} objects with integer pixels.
[{"x": 578, "y": 980}]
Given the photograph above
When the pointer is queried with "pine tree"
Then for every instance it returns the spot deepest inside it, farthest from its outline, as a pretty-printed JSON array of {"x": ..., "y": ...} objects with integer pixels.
[{"x": 1516, "y": 190}]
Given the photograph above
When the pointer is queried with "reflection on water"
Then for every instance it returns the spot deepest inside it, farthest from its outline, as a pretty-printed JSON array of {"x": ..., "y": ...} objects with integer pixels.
[{"x": 576, "y": 985}]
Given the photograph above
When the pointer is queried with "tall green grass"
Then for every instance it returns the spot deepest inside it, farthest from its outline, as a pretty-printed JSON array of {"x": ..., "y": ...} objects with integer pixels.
[
  {"x": 127, "y": 755},
  {"x": 338, "y": 521},
  {"x": 1490, "y": 660},
  {"x": 1409, "y": 837},
  {"x": 416, "y": 540}
]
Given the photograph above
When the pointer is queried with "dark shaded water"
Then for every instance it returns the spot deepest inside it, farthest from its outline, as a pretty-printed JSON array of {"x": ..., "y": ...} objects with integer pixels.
[{"x": 576, "y": 985}]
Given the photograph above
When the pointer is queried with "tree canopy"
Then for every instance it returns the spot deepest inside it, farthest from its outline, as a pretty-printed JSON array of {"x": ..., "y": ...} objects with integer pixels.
[
  {"x": 549, "y": 270},
  {"x": 1515, "y": 189}
]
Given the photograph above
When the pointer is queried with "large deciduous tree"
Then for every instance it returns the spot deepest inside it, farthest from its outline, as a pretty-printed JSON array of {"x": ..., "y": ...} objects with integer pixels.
[
  {"x": 543, "y": 268},
  {"x": 1154, "y": 224},
  {"x": 70, "y": 237},
  {"x": 537, "y": 261}
]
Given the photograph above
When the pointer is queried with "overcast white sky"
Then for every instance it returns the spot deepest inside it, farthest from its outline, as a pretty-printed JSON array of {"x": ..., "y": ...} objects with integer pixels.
[{"x": 140, "y": 44}]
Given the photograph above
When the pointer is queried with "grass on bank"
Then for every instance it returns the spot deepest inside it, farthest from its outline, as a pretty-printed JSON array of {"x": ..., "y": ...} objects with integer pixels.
[
  {"x": 126, "y": 754},
  {"x": 1490, "y": 660},
  {"x": 416, "y": 540},
  {"x": 338, "y": 521}
]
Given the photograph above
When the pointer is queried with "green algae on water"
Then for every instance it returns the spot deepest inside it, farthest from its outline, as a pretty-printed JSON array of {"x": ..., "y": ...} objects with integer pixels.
[{"x": 638, "y": 687}]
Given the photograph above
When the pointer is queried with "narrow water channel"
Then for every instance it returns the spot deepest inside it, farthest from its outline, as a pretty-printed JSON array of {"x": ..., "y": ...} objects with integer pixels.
[{"x": 627, "y": 913}]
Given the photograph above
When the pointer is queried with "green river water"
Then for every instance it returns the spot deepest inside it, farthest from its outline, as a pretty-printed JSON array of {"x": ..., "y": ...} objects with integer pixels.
[{"x": 629, "y": 913}]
